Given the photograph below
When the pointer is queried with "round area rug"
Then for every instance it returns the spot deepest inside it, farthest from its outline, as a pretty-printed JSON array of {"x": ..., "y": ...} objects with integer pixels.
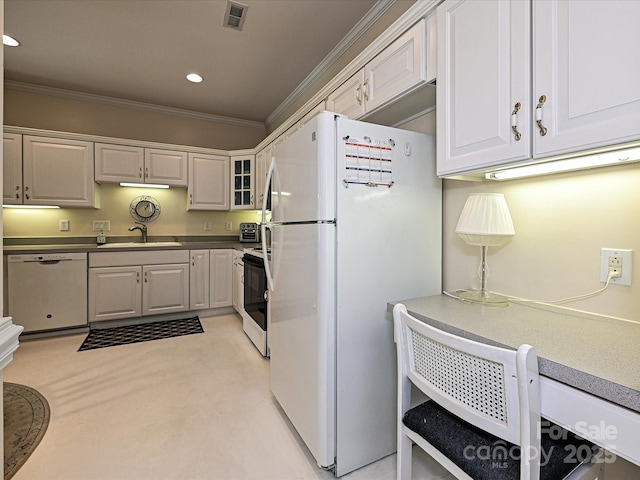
[{"x": 26, "y": 418}]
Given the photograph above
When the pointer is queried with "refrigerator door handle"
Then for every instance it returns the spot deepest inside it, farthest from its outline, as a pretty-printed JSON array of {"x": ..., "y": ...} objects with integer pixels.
[
  {"x": 267, "y": 268},
  {"x": 264, "y": 225},
  {"x": 266, "y": 190}
]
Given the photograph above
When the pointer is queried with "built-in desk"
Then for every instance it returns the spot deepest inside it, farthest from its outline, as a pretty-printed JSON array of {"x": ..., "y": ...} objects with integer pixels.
[{"x": 589, "y": 364}]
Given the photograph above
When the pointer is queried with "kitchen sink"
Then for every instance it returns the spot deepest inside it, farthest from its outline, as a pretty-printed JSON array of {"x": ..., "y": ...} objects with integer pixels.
[{"x": 140, "y": 244}]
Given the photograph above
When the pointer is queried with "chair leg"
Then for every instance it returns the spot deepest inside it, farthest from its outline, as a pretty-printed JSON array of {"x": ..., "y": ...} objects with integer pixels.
[{"x": 404, "y": 456}]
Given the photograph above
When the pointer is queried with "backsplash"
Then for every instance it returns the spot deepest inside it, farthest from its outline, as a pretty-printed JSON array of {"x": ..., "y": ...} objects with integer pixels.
[
  {"x": 174, "y": 219},
  {"x": 562, "y": 222}
]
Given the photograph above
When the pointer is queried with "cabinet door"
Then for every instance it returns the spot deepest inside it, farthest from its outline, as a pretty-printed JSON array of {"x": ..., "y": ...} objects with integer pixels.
[
  {"x": 115, "y": 292},
  {"x": 242, "y": 183},
  {"x": 483, "y": 72},
  {"x": 165, "y": 288},
  {"x": 199, "y": 280},
  {"x": 208, "y": 182},
  {"x": 238, "y": 281},
  {"x": 397, "y": 69},
  {"x": 118, "y": 163},
  {"x": 167, "y": 167},
  {"x": 587, "y": 66},
  {"x": 348, "y": 98},
  {"x": 221, "y": 264},
  {"x": 58, "y": 172},
  {"x": 12, "y": 169}
]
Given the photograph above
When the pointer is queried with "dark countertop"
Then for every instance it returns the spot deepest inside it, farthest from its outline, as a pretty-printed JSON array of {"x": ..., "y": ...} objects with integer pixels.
[
  {"x": 88, "y": 244},
  {"x": 596, "y": 354}
]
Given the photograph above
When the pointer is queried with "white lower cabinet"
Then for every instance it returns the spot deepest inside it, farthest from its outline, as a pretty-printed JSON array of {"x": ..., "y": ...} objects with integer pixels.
[
  {"x": 199, "y": 280},
  {"x": 133, "y": 284},
  {"x": 115, "y": 292},
  {"x": 165, "y": 288},
  {"x": 221, "y": 278},
  {"x": 238, "y": 281}
]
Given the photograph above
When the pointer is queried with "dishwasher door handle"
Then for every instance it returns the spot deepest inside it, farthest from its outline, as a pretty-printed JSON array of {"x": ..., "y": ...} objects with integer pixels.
[{"x": 49, "y": 262}]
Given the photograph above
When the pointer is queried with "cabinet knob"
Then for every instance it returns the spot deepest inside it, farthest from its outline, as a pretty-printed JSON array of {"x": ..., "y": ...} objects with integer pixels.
[
  {"x": 359, "y": 94},
  {"x": 366, "y": 90},
  {"x": 542, "y": 128}
]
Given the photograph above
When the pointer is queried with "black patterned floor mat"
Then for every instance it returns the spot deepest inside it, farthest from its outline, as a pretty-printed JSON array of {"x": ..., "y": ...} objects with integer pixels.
[{"x": 109, "y": 337}]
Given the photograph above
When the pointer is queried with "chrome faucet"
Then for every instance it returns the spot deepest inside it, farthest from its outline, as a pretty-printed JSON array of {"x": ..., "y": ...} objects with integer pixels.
[{"x": 143, "y": 231}]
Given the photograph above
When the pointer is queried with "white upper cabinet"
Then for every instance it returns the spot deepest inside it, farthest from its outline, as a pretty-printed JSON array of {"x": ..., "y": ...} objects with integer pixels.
[
  {"x": 583, "y": 94},
  {"x": 123, "y": 163},
  {"x": 395, "y": 71},
  {"x": 587, "y": 65},
  {"x": 168, "y": 167},
  {"x": 12, "y": 169},
  {"x": 483, "y": 75},
  {"x": 119, "y": 163},
  {"x": 58, "y": 171},
  {"x": 242, "y": 182},
  {"x": 208, "y": 187}
]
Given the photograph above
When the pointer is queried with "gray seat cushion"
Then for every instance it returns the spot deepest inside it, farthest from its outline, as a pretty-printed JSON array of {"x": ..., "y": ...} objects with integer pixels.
[{"x": 486, "y": 457}]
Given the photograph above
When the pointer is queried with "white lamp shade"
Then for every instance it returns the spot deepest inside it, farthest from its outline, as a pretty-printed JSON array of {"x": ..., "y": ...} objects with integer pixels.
[{"x": 485, "y": 220}]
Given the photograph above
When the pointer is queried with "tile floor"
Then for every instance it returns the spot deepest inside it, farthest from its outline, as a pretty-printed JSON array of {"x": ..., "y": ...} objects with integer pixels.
[{"x": 192, "y": 407}]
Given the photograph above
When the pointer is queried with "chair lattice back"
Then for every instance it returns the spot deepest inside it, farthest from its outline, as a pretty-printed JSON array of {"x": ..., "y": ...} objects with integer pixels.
[
  {"x": 476, "y": 382},
  {"x": 479, "y": 383}
]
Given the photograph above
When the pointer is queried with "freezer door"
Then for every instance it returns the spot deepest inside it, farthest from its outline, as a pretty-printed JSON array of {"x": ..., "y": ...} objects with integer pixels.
[
  {"x": 302, "y": 332},
  {"x": 303, "y": 181}
]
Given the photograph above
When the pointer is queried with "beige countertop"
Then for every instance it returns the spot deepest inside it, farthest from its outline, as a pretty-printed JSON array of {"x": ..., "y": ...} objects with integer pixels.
[{"x": 599, "y": 355}]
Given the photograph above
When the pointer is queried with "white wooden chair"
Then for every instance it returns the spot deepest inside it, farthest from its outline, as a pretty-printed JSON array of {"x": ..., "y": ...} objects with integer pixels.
[{"x": 482, "y": 419}]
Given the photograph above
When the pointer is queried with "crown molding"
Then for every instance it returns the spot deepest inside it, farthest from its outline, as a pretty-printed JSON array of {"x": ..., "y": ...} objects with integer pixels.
[
  {"x": 119, "y": 102},
  {"x": 354, "y": 34},
  {"x": 419, "y": 10}
]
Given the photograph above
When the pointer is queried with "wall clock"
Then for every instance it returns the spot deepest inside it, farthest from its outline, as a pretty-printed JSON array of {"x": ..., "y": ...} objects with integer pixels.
[{"x": 144, "y": 209}]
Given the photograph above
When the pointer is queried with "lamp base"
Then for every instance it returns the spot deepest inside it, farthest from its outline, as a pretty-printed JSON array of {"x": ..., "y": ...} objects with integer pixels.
[{"x": 489, "y": 299}]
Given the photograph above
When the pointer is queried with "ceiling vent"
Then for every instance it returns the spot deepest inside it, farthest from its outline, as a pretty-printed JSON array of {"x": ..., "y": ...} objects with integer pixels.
[{"x": 235, "y": 15}]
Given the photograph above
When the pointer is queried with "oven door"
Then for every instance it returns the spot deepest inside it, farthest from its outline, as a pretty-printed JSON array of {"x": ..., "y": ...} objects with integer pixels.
[{"x": 255, "y": 287}]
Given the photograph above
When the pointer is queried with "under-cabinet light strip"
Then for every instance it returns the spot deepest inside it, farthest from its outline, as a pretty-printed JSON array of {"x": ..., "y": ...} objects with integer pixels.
[
  {"x": 628, "y": 155},
  {"x": 143, "y": 185}
]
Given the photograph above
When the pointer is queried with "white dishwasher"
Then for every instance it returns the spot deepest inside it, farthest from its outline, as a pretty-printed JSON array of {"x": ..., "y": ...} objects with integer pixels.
[{"x": 47, "y": 291}]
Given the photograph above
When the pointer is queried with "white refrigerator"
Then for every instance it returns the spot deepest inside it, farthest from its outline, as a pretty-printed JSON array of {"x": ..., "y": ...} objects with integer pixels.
[{"x": 355, "y": 223}]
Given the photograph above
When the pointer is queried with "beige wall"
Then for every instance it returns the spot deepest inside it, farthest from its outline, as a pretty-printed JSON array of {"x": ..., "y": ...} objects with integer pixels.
[
  {"x": 562, "y": 222},
  {"x": 174, "y": 218},
  {"x": 69, "y": 115},
  {"x": 35, "y": 110},
  {"x": 391, "y": 15}
]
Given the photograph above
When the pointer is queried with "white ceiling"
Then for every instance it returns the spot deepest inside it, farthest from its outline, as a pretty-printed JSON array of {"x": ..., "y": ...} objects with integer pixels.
[{"x": 141, "y": 50}]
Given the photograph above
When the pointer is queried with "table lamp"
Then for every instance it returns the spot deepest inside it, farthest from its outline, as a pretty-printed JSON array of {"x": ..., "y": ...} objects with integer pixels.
[{"x": 485, "y": 221}]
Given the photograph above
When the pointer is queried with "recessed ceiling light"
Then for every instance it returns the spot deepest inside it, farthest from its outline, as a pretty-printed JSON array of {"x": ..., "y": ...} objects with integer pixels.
[
  {"x": 194, "y": 77},
  {"x": 9, "y": 41}
]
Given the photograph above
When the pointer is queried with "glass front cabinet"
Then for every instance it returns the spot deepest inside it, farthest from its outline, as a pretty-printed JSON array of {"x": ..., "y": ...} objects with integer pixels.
[{"x": 242, "y": 182}]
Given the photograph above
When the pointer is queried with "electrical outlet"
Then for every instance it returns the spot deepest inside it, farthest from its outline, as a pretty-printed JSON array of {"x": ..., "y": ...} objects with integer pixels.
[
  {"x": 104, "y": 225},
  {"x": 228, "y": 226},
  {"x": 64, "y": 225},
  {"x": 207, "y": 226},
  {"x": 619, "y": 261}
]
